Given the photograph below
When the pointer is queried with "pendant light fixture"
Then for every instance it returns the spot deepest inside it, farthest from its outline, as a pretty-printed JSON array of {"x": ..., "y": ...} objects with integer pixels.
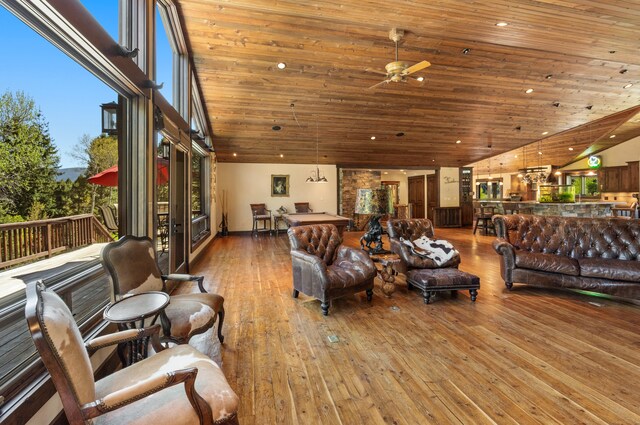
[{"x": 315, "y": 176}]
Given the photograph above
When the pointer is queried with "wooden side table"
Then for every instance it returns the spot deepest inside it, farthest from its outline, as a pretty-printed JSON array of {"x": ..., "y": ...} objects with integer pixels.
[
  {"x": 130, "y": 313},
  {"x": 388, "y": 272}
]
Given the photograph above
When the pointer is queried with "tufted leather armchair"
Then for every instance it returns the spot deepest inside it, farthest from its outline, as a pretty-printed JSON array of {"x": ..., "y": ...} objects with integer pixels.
[
  {"x": 594, "y": 254},
  {"x": 413, "y": 229},
  {"x": 324, "y": 268}
]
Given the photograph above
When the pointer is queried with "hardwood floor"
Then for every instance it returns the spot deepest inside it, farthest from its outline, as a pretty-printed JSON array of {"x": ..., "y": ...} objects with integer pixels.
[{"x": 523, "y": 356}]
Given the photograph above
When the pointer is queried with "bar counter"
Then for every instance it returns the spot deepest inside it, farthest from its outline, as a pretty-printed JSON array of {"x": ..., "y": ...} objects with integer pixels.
[{"x": 573, "y": 209}]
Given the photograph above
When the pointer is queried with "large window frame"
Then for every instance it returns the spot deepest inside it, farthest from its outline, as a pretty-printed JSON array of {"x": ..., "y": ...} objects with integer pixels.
[{"x": 70, "y": 27}]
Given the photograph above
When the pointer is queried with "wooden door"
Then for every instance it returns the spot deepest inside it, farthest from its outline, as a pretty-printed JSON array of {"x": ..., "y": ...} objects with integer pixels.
[
  {"x": 432, "y": 196},
  {"x": 416, "y": 195}
]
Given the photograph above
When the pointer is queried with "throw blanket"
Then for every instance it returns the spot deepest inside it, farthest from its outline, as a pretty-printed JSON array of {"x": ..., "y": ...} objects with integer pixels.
[{"x": 438, "y": 250}]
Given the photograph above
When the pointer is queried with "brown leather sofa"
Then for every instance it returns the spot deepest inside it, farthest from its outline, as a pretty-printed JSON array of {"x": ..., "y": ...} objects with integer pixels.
[
  {"x": 592, "y": 254},
  {"x": 324, "y": 268},
  {"x": 413, "y": 229}
]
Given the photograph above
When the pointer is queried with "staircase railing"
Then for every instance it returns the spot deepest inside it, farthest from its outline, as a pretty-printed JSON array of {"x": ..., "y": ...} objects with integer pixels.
[{"x": 31, "y": 240}]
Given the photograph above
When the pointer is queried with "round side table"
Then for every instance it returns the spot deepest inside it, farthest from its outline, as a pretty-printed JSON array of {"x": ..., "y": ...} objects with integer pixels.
[
  {"x": 388, "y": 271},
  {"x": 130, "y": 313}
]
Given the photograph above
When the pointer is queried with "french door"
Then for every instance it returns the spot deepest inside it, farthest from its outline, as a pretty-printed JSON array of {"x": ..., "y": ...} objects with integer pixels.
[{"x": 171, "y": 204}]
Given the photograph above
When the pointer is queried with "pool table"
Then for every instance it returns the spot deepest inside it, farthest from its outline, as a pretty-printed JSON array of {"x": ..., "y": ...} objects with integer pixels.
[{"x": 303, "y": 219}]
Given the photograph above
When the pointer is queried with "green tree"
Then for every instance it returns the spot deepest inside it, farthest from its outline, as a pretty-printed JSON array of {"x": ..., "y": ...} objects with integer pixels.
[
  {"x": 98, "y": 154},
  {"x": 28, "y": 160}
]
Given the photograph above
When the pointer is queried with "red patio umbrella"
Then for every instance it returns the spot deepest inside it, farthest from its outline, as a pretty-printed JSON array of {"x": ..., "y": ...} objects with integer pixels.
[{"x": 109, "y": 177}]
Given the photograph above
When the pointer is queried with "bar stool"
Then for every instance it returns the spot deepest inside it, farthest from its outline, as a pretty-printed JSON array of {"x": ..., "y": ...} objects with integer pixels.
[{"x": 482, "y": 216}]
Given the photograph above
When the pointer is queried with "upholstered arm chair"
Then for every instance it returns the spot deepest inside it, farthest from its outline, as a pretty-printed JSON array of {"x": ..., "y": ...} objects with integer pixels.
[
  {"x": 411, "y": 230},
  {"x": 324, "y": 268},
  {"x": 187, "y": 387},
  {"x": 131, "y": 262}
]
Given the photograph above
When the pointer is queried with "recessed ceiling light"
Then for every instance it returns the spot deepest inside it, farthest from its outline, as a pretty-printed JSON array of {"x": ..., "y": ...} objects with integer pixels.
[
  {"x": 282, "y": 65},
  {"x": 544, "y": 133},
  {"x": 558, "y": 173},
  {"x": 626, "y": 86},
  {"x": 399, "y": 134},
  {"x": 502, "y": 24},
  {"x": 458, "y": 142},
  {"x": 373, "y": 137},
  {"x": 515, "y": 156},
  {"x": 421, "y": 79},
  {"x": 466, "y": 51},
  {"x": 539, "y": 153},
  {"x": 613, "y": 136},
  {"x": 281, "y": 156},
  {"x": 527, "y": 91},
  {"x": 612, "y": 51},
  {"x": 235, "y": 154},
  {"x": 433, "y": 160},
  {"x": 276, "y": 128},
  {"x": 548, "y": 76},
  {"x": 386, "y": 172},
  {"x": 405, "y": 172},
  {"x": 570, "y": 149}
]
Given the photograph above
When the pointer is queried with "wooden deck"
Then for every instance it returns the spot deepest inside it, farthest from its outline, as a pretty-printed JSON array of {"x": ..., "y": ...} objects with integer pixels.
[{"x": 523, "y": 356}]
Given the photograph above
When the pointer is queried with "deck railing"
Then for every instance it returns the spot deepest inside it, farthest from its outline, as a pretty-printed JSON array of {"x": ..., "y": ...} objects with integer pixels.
[{"x": 30, "y": 240}]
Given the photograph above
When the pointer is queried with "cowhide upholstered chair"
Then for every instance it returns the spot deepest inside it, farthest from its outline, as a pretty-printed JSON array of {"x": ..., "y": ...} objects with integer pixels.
[
  {"x": 132, "y": 264},
  {"x": 411, "y": 230},
  {"x": 176, "y": 386},
  {"x": 324, "y": 268}
]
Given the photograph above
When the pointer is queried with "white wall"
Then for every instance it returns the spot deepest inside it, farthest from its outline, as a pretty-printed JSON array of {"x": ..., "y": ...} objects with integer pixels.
[
  {"x": 449, "y": 187},
  {"x": 251, "y": 184},
  {"x": 618, "y": 155}
]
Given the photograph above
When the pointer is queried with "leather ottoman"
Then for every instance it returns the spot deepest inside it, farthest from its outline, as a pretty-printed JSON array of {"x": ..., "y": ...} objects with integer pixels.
[{"x": 451, "y": 279}]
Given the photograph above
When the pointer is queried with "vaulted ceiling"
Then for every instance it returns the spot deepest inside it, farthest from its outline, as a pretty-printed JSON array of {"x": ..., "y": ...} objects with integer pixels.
[{"x": 576, "y": 56}]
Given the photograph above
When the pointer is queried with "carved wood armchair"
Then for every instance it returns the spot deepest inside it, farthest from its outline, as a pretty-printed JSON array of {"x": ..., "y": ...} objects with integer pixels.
[
  {"x": 302, "y": 207},
  {"x": 131, "y": 262},
  {"x": 123, "y": 397},
  {"x": 262, "y": 215}
]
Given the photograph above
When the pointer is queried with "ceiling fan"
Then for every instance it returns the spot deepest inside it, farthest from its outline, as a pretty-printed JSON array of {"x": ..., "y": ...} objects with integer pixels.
[{"x": 398, "y": 71}]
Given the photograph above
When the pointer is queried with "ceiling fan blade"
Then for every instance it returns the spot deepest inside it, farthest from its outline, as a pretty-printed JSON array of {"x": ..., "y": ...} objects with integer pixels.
[
  {"x": 375, "y": 71},
  {"x": 380, "y": 83},
  {"x": 417, "y": 67}
]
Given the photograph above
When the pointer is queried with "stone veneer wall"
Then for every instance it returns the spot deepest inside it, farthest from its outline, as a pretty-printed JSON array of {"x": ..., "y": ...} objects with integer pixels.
[{"x": 350, "y": 182}]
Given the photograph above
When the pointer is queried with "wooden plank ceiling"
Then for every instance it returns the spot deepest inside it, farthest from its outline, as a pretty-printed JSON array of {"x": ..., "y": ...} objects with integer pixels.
[{"x": 576, "y": 56}]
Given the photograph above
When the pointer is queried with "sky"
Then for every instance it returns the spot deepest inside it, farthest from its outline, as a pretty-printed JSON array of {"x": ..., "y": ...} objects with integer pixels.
[{"x": 68, "y": 95}]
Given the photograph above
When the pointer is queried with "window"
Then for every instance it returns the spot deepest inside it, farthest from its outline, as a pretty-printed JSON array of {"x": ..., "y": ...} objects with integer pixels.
[
  {"x": 489, "y": 189},
  {"x": 200, "y": 225},
  {"x": 171, "y": 61},
  {"x": 585, "y": 185},
  {"x": 46, "y": 194}
]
